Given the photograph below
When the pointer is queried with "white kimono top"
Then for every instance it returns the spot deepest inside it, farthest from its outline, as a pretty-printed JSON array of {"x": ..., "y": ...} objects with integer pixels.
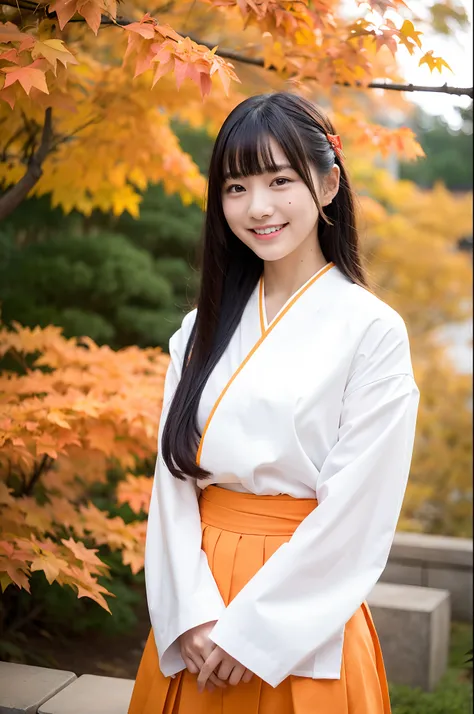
[{"x": 320, "y": 403}]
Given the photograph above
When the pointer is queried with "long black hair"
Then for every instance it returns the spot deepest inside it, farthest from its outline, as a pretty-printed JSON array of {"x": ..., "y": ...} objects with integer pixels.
[{"x": 230, "y": 270}]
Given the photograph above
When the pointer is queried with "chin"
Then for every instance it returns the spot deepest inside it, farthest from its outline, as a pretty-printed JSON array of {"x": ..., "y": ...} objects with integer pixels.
[{"x": 272, "y": 256}]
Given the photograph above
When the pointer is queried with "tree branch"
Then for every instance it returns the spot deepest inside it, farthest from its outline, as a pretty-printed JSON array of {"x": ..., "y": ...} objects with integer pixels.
[
  {"x": 20, "y": 4},
  {"x": 12, "y": 198},
  {"x": 44, "y": 465},
  {"x": 28, "y": 617},
  {"x": 65, "y": 139},
  {"x": 259, "y": 62},
  {"x": 16, "y": 135}
]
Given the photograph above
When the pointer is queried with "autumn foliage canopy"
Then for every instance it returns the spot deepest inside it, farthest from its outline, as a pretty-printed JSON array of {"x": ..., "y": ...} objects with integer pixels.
[
  {"x": 79, "y": 408},
  {"x": 88, "y": 89},
  {"x": 88, "y": 93}
]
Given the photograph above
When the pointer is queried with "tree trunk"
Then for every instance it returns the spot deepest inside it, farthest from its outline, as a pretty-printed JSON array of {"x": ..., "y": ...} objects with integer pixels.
[{"x": 12, "y": 198}]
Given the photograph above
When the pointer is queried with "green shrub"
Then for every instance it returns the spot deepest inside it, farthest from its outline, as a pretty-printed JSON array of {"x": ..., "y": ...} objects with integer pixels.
[{"x": 453, "y": 695}]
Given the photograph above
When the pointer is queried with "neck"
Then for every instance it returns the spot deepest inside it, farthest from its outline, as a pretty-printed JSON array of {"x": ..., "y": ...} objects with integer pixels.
[{"x": 282, "y": 278}]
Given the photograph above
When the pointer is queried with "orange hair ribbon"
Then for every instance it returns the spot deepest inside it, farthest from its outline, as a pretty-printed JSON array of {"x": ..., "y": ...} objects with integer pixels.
[{"x": 336, "y": 143}]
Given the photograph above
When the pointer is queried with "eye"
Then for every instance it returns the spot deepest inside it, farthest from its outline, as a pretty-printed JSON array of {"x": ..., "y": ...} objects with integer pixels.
[
  {"x": 234, "y": 185},
  {"x": 280, "y": 181}
]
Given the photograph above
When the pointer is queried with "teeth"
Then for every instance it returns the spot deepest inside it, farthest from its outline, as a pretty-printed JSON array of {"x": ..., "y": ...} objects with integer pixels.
[{"x": 267, "y": 231}]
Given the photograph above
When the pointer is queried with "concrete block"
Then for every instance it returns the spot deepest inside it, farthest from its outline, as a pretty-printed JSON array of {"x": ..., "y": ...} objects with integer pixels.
[
  {"x": 413, "y": 625},
  {"x": 24, "y": 688},
  {"x": 440, "y": 562},
  {"x": 432, "y": 548},
  {"x": 402, "y": 574},
  {"x": 91, "y": 694},
  {"x": 459, "y": 584}
]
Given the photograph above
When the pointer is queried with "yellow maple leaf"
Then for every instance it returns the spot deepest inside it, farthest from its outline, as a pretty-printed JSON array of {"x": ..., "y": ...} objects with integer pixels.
[
  {"x": 56, "y": 417},
  {"x": 46, "y": 444},
  {"x": 409, "y": 37},
  {"x": 134, "y": 559},
  {"x": 50, "y": 564},
  {"x": 5, "y": 497},
  {"x": 53, "y": 51},
  {"x": 14, "y": 571},
  {"x": 434, "y": 62}
]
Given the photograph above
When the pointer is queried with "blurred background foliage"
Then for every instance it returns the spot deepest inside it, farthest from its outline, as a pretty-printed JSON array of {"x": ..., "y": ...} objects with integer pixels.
[
  {"x": 124, "y": 281},
  {"x": 119, "y": 280},
  {"x": 127, "y": 280},
  {"x": 447, "y": 151}
]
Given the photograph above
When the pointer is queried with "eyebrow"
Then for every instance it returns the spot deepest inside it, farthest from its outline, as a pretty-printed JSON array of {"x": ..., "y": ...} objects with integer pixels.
[{"x": 278, "y": 167}]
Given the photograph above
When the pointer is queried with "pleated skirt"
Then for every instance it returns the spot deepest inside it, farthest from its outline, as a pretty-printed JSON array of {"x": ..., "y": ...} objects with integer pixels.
[{"x": 240, "y": 532}]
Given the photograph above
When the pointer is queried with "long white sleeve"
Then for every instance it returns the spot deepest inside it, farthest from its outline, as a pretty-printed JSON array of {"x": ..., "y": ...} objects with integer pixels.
[
  {"x": 306, "y": 592},
  {"x": 181, "y": 591}
]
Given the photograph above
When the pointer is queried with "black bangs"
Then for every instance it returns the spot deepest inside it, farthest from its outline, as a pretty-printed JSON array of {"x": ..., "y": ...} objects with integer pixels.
[{"x": 247, "y": 151}]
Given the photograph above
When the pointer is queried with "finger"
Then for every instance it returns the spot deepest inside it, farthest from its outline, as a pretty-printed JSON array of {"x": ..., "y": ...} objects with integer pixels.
[
  {"x": 198, "y": 662},
  {"x": 194, "y": 662},
  {"x": 247, "y": 676},
  {"x": 208, "y": 668},
  {"x": 225, "y": 669},
  {"x": 236, "y": 674},
  {"x": 190, "y": 665},
  {"x": 210, "y": 687},
  {"x": 214, "y": 679}
]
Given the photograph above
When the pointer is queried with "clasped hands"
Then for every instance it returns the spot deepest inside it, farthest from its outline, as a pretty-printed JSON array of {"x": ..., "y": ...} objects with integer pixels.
[{"x": 214, "y": 665}]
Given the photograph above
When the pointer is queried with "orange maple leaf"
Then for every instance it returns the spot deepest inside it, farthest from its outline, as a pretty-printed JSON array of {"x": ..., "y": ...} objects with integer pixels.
[
  {"x": 386, "y": 38},
  {"x": 87, "y": 586},
  {"x": 135, "y": 491},
  {"x": 10, "y": 33},
  {"x": 46, "y": 444},
  {"x": 29, "y": 76},
  {"x": 145, "y": 27},
  {"x": 381, "y": 6},
  {"x": 5, "y": 497},
  {"x": 154, "y": 43},
  {"x": 86, "y": 555},
  {"x": 91, "y": 11}
]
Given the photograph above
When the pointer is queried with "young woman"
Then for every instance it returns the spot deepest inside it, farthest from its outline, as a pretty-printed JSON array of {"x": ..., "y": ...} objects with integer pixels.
[{"x": 285, "y": 442}]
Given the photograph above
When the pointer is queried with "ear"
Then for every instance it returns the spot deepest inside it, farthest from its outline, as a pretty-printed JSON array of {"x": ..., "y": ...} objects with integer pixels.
[{"x": 330, "y": 185}]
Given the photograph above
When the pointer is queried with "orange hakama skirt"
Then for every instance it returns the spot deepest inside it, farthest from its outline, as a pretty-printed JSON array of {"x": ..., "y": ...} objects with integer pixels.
[{"x": 240, "y": 532}]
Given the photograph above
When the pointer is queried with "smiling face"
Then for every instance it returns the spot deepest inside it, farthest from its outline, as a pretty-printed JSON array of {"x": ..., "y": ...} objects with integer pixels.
[{"x": 274, "y": 213}]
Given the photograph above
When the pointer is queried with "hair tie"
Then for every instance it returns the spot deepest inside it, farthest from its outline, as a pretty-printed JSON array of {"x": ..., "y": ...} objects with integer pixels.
[{"x": 336, "y": 143}]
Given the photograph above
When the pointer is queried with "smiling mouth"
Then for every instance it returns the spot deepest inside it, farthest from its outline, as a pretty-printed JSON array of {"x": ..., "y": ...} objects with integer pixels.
[{"x": 268, "y": 232}]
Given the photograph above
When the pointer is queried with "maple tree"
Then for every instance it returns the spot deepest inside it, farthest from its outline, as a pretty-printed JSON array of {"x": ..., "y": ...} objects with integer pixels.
[
  {"x": 86, "y": 117},
  {"x": 410, "y": 238},
  {"x": 87, "y": 94},
  {"x": 72, "y": 411},
  {"x": 75, "y": 408}
]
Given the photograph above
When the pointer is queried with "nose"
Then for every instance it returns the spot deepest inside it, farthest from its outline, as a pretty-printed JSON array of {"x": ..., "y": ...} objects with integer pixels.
[{"x": 260, "y": 205}]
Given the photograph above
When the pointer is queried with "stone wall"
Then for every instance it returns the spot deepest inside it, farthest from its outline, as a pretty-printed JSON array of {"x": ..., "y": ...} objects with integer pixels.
[
  {"x": 434, "y": 562},
  {"x": 428, "y": 580}
]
